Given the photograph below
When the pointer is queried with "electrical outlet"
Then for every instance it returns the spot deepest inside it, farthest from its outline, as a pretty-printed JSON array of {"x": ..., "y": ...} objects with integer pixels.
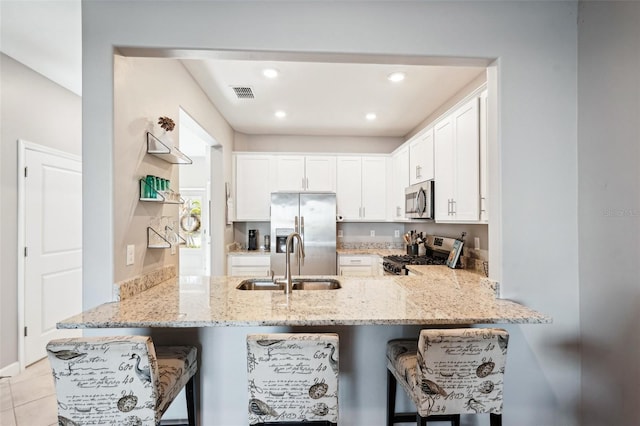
[
  {"x": 372, "y": 233},
  {"x": 396, "y": 233},
  {"x": 131, "y": 254},
  {"x": 340, "y": 235}
]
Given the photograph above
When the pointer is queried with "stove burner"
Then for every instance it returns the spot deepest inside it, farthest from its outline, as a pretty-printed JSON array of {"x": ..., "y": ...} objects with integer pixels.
[{"x": 396, "y": 264}]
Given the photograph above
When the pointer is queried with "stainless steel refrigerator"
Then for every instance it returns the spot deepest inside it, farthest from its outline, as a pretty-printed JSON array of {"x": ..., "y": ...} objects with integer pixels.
[{"x": 313, "y": 216}]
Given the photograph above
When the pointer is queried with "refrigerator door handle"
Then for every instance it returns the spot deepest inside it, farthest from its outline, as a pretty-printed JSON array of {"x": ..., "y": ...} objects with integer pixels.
[
  {"x": 295, "y": 224},
  {"x": 300, "y": 258}
]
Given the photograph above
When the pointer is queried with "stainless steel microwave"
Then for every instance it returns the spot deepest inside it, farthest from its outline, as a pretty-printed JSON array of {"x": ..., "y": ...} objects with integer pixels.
[{"x": 419, "y": 201}]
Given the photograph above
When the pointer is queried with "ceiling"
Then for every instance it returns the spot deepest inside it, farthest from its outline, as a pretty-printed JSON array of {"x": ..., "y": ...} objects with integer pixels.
[{"x": 320, "y": 98}]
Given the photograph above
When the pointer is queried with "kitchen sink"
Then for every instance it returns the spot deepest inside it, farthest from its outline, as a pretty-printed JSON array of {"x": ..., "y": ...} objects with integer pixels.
[{"x": 298, "y": 284}]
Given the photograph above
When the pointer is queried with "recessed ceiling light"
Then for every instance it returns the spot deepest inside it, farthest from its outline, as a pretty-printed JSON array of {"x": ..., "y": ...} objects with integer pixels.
[
  {"x": 270, "y": 72},
  {"x": 396, "y": 76},
  {"x": 280, "y": 114},
  {"x": 371, "y": 116}
]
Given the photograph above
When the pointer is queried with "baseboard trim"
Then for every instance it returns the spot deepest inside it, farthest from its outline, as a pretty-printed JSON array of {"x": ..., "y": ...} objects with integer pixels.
[{"x": 10, "y": 370}]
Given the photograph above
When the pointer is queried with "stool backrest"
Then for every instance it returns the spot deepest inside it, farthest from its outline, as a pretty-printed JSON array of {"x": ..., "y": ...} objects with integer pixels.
[
  {"x": 105, "y": 380},
  {"x": 292, "y": 377},
  {"x": 462, "y": 370}
]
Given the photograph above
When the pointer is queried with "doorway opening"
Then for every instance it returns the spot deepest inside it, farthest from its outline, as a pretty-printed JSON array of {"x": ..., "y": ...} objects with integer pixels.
[{"x": 196, "y": 182}]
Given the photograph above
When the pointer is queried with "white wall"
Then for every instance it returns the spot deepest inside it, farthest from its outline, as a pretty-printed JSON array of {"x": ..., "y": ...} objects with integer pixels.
[
  {"x": 609, "y": 206},
  {"x": 535, "y": 46},
  {"x": 300, "y": 143},
  {"x": 145, "y": 89},
  {"x": 38, "y": 110}
]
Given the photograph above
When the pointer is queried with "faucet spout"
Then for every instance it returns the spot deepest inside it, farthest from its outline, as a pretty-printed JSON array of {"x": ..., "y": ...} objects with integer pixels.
[{"x": 287, "y": 280}]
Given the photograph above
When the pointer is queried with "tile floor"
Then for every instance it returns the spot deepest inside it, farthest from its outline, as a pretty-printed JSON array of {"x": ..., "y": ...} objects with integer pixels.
[{"x": 28, "y": 399}]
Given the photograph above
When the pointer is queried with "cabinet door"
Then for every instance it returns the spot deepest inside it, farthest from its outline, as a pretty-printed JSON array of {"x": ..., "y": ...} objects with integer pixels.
[
  {"x": 466, "y": 204},
  {"x": 374, "y": 188},
  {"x": 484, "y": 214},
  {"x": 320, "y": 173},
  {"x": 400, "y": 181},
  {"x": 253, "y": 186},
  {"x": 355, "y": 266},
  {"x": 355, "y": 271},
  {"x": 421, "y": 157},
  {"x": 249, "y": 265},
  {"x": 444, "y": 169},
  {"x": 290, "y": 173},
  {"x": 348, "y": 187},
  {"x": 427, "y": 145}
]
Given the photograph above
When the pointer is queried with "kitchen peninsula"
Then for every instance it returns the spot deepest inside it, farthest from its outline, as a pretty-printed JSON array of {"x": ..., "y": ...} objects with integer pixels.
[{"x": 440, "y": 296}]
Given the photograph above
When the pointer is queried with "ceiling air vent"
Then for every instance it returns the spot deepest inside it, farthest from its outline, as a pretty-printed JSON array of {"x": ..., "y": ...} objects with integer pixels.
[{"x": 243, "y": 92}]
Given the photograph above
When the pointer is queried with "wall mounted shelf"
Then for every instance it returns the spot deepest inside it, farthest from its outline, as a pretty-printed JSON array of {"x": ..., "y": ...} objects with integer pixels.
[
  {"x": 170, "y": 154},
  {"x": 164, "y": 197},
  {"x": 155, "y": 240}
]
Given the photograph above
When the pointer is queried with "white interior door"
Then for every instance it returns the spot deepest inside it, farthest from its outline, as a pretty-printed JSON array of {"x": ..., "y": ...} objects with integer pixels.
[{"x": 53, "y": 248}]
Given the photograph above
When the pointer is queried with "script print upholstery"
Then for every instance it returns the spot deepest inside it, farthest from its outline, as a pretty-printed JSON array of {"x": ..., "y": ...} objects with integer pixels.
[
  {"x": 121, "y": 380},
  {"x": 452, "y": 371},
  {"x": 292, "y": 377}
]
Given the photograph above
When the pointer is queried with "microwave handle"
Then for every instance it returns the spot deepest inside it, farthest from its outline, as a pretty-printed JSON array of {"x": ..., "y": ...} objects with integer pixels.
[{"x": 421, "y": 202}]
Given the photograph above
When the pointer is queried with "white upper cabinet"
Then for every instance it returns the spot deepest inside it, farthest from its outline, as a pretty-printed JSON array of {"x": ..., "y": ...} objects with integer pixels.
[
  {"x": 421, "y": 157},
  {"x": 484, "y": 213},
  {"x": 305, "y": 173},
  {"x": 457, "y": 162},
  {"x": 254, "y": 175},
  {"x": 399, "y": 181},
  {"x": 361, "y": 188}
]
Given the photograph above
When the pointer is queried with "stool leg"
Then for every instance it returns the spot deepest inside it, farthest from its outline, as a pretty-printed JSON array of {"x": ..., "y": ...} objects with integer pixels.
[
  {"x": 391, "y": 398},
  {"x": 191, "y": 401},
  {"x": 421, "y": 421},
  {"x": 495, "y": 419},
  {"x": 455, "y": 420}
]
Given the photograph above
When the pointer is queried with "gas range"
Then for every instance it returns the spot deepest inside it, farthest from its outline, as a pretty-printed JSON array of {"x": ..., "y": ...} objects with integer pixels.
[{"x": 437, "y": 253}]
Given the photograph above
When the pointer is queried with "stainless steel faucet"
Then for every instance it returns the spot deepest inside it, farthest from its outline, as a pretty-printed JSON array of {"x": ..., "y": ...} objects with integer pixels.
[{"x": 287, "y": 281}]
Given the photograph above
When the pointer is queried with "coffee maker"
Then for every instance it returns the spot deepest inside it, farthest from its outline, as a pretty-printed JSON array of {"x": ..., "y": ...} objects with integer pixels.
[{"x": 253, "y": 239}]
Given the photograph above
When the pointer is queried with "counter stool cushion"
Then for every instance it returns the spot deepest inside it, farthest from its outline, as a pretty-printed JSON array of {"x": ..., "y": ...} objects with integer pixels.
[
  {"x": 293, "y": 378},
  {"x": 119, "y": 380},
  {"x": 451, "y": 371},
  {"x": 176, "y": 366}
]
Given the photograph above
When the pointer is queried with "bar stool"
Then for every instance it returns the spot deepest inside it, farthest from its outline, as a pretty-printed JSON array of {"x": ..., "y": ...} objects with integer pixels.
[
  {"x": 120, "y": 380},
  {"x": 448, "y": 372},
  {"x": 293, "y": 379}
]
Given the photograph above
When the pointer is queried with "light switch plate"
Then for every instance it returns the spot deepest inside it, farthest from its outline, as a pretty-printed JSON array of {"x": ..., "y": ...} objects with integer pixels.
[
  {"x": 339, "y": 233},
  {"x": 372, "y": 233},
  {"x": 396, "y": 233},
  {"x": 131, "y": 254}
]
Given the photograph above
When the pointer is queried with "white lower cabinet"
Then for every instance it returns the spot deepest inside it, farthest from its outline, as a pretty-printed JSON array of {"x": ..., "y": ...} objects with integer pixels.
[
  {"x": 249, "y": 265},
  {"x": 358, "y": 265}
]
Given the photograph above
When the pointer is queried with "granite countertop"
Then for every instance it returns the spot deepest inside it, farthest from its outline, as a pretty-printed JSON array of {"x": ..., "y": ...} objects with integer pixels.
[
  {"x": 440, "y": 296},
  {"x": 372, "y": 251},
  {"x": 352, "y": 251},
  {"x": 239, "y": 252}
]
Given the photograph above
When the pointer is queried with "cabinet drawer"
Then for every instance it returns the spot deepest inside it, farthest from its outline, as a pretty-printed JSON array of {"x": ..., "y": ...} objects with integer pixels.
[
  {"x": 355, "y": 260},
  {"x": 250, "y": 260},
  {"x": 250, "y": 271}
]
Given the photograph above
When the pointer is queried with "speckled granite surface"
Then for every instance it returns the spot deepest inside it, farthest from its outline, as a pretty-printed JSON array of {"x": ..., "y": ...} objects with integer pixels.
[
  {"x": 127, "y": 288},
  {"x": 440, "y": 296}
]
